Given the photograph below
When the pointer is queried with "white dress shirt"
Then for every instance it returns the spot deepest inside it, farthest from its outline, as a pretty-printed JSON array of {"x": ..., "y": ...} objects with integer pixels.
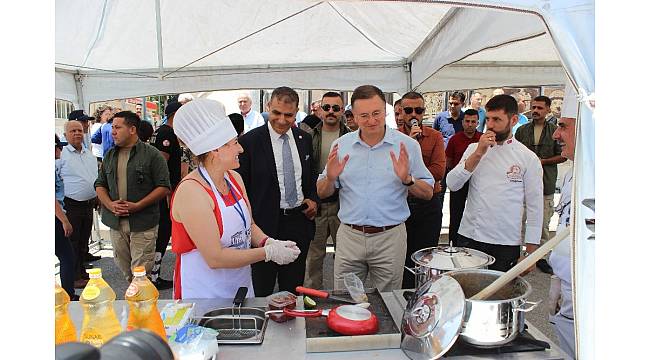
[
  {"x": 506, "y": 176},
  {"x": 252, "y": 120},
  {"x": 277, "y": 143},
  {"x": 79, "y": 172}
]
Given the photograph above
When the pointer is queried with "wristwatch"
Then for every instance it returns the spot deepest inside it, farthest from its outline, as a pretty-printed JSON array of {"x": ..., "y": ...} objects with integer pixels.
[{"x": 410, "y": 182}]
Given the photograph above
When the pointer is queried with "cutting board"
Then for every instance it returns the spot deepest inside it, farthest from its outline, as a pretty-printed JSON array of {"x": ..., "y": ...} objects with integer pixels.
[{"x": 320, "y": 338}]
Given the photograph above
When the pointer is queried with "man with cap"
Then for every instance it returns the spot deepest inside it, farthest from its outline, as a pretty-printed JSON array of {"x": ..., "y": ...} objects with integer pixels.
[
  {"x": 503, "y": 175},
  {"x": 84, "y": 119},
  {"x": 132, "y": 181},
  {"x": 252, "y": 118},
  {"x": 561, "y": 314},
  {"x": 78, "y": 169},
  {"x": 166, "y": 142},
  {"x": 349, "y": 119},
  {"x": 278, "y": 171}
]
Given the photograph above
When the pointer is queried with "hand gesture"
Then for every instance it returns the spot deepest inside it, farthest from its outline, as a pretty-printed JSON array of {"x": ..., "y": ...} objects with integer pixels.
[
  {"x": 119, "y": 208},
  {"x": 310, "y": 211},
  {"x": 416, "y": 131},
  {"x": 334, "y": 166},
  {"x": 401, "y": 165},
  {"x": 486, "y": 141}
]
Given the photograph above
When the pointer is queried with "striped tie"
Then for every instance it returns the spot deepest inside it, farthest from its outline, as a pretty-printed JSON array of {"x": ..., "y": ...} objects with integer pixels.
[{"x": 290, "y": 192}]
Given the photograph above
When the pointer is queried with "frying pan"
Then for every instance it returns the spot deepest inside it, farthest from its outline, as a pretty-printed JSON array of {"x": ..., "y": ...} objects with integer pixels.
[{"x": 344, "y": 319}]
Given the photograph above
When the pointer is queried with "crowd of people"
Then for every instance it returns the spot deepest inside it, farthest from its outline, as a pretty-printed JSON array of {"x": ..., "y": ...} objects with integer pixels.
[{"x": 250, "y": 199}]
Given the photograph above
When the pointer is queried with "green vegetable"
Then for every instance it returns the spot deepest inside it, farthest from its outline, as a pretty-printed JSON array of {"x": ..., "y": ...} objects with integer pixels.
[{"x": 309, "y": 303}]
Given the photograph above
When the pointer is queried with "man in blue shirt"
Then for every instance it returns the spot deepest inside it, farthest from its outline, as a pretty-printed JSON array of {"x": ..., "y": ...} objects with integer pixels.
[
  {"x": 384, "y": 167},
  {"x": 475, "y": 102},
  {"x": 104, "y": 136}
]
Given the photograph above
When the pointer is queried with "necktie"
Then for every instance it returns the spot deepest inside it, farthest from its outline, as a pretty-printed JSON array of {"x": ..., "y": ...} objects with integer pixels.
[{"x": 290, "y": 193}]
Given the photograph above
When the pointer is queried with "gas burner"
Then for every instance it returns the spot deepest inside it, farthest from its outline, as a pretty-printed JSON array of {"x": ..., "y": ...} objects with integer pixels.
[{"x": 522, "y": 343}]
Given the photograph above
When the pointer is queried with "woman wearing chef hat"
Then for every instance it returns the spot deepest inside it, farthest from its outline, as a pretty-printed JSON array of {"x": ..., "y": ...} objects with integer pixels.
[{"x": 213, "y": 235}]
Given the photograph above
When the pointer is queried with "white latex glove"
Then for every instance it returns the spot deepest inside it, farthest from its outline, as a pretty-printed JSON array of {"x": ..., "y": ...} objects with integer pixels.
[{"x": 281, "y": 252}]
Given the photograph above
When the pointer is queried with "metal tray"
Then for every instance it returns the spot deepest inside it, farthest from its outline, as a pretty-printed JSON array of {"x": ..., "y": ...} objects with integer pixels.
[{"x": 245, "y": 325}]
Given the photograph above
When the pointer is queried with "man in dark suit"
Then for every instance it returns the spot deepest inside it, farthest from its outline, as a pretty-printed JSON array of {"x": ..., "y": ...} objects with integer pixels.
[{"x": 280, "y": 177}]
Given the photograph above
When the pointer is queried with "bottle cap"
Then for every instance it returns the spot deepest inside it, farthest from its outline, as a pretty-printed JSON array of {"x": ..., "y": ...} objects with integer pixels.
[
  {"x": 139, "y": 271},
  {"x": 94, "y": 273}
]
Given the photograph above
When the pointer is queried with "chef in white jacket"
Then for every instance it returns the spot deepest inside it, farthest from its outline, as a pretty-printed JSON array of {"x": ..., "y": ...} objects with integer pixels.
[
  {"x": 503, "y": 174},
  {"x": 561, "y": 314}
]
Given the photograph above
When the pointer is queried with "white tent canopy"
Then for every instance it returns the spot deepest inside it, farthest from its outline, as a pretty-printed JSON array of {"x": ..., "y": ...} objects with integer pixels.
[{"x": 110, "y": 49}]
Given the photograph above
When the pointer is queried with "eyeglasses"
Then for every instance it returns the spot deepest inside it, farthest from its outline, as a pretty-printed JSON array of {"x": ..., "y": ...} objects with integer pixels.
[
  {"x": 454, "y": 103},
  {"x": 327, "y": 107},
  {"x": 409, "y": 110},
  {"x": 377, "y": 114}
]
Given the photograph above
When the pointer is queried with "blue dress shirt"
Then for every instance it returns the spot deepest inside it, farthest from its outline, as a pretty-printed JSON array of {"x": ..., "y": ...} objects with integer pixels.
[
  {"x": 447, "y": 125},
  {"x": 104, "y": 136},
  {"x": 369, "y": 191}
]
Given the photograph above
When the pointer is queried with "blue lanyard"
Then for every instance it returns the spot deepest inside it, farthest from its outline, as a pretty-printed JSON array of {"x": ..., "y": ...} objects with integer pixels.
[{"x": 238, "y": 207}]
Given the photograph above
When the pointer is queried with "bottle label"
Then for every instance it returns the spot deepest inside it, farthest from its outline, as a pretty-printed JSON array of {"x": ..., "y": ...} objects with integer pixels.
[
  {"x": 90, "y": 292},
  {"x": 132, "y": 290},
  {"x": 93, "y": 338}
]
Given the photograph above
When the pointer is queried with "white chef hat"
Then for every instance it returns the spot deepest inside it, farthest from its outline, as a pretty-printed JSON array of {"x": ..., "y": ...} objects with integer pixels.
[
  {"x": 570, "y": 102},
  {"x": 203, "y": 125}
]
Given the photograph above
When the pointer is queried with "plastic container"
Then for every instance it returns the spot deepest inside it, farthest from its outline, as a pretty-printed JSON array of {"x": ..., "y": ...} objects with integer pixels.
[
  {"x": 279, "y": 301},
  {"x": 100, "y": 323},
  {"x": 142, "y": 297},
  {"x": 64, "y": 330}
]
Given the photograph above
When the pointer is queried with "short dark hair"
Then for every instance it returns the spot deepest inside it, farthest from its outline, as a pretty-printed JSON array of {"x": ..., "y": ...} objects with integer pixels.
[
  {"x": 365, "y": 92},
  {"x": 543, "y": 98},
  {"x": 459, "y": 95},
  {"x": 503, "y": 102},
  {"x": 471, "y": 112},
  {"x": 413, "y": 95},
  {"x": 145, "y": 130},
  {"x": 332, "y": 94},
  {"x": 397, "y": 102},
  {"x": 238, "y": 122},
  {"x": 130, "y": 118},
  {"x": 286, "y": 95}
]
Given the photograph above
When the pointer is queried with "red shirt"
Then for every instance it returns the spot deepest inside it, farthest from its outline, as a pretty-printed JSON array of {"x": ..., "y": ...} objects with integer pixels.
[{"x": 457, "y": 145}]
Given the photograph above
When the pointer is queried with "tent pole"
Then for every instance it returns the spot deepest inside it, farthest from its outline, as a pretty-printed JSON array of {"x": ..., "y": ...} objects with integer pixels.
[
  {"x": 409, "y": 76},
  {"x": 159, "y": 40},
  {"x": 81, "y": 103}
]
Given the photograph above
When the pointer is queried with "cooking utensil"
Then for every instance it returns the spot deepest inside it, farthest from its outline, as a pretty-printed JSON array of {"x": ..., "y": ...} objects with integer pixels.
[
  {"x": 322, "y": 294},
  {"x": 355, "y": 287},
  {"x": 498, "y": 320},
  {"x": 432, "y": 319},
  {"x": 236, "y": 324},
  {"x": 344, "y": 319},
  {"x": 434, "y": 261},
  {"x": 529, "y": 261}
]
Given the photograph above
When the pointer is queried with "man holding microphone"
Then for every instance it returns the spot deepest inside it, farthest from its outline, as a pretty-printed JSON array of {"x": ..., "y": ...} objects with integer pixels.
[{"x": 424, "y": 223}]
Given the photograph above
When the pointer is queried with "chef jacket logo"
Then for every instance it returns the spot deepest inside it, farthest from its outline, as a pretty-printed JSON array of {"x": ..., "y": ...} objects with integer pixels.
[{"x": 514, "y": 174}]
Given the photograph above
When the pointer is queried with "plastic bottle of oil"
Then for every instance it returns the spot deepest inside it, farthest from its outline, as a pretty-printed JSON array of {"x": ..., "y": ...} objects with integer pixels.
[
  {"x": 64, "y": 330},
  {"x": 100, "y": 323},
  {"x": 142, "y": 297}
]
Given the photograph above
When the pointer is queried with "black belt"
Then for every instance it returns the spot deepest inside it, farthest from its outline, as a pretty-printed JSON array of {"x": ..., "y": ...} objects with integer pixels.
[
  {"x": 367, "y": 229},
  {"x": 292, "y": 211},
  {"x": 71, "y": 201}
]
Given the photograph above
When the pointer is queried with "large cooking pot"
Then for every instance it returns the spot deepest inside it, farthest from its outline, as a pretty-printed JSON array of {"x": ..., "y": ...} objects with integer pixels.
[
  {"x": 434, "y": 261},
  {"x": 498, "y": 319}
]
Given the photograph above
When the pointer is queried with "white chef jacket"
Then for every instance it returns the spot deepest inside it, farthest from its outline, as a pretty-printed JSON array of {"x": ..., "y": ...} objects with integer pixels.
[
  {"x": 277, "y": 144},
  {"x": 507, "y": 176},
  {"x": 252, "y": 120},
  {"x": 560, "y": 258},
  {"x": 79, "y": 172}
]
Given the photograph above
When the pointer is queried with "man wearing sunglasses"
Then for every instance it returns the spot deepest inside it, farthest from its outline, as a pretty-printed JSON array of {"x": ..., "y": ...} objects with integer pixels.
[
  {"x": 537, "y": 135},
  {"x": 424, "y": 223},
  {"x": 327, "y": 222}
]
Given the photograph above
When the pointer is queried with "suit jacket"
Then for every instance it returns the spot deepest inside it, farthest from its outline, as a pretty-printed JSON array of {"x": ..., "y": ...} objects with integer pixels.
[{"x": 257, "y": 168}]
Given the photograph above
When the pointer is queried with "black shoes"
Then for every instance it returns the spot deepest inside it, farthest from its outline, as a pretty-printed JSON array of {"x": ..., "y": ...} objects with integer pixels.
[
  {"x": 544, "y": 267},
  {"x": 90, "y": 258},
  {"x": 162, "y": 284}
]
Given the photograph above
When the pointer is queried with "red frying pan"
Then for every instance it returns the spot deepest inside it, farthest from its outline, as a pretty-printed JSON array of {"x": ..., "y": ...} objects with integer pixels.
[{"x": 344, "y": 319}]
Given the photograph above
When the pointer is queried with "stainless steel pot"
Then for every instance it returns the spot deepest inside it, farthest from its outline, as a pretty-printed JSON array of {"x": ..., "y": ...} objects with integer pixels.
[
  {"x": 434, "y": 261},
  {"x": 497, "y": 320}
]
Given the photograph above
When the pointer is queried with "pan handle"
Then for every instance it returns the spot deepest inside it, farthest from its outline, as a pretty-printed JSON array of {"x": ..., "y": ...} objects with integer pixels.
[
  {"x": 412, "y": 271},
  {"x": 312, "y": 292},
  {"x": 303, "y": 313},
  {"x": 240, "y": 297},
  {"x": 528, "y": 309}
]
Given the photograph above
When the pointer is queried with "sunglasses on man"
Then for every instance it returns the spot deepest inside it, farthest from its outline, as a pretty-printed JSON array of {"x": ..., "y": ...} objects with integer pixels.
[
  {"x": 409, "y": 110},
  {"x": 334, "y": 108}
]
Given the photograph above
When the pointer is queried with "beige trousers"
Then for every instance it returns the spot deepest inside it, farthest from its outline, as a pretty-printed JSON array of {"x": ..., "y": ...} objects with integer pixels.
[
  {"x": 379, "y": 257},
  {"x": 327, "y": 224},
  {"x": 132, "y": 249},
  {"x": 548, "y": 214}
]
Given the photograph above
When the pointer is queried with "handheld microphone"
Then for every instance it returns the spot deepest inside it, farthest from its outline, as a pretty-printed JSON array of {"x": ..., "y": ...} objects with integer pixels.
[{"x": 414, "y": 122}]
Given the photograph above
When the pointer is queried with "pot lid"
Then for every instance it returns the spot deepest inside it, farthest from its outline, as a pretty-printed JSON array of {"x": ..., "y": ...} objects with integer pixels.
[
  {"x": 449, "y": 258},
  {"x": 432, "y": 318}
]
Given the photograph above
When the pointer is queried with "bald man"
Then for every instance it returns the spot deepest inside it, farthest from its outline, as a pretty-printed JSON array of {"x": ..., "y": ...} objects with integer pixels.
[{"x": 252, "y": 118}]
